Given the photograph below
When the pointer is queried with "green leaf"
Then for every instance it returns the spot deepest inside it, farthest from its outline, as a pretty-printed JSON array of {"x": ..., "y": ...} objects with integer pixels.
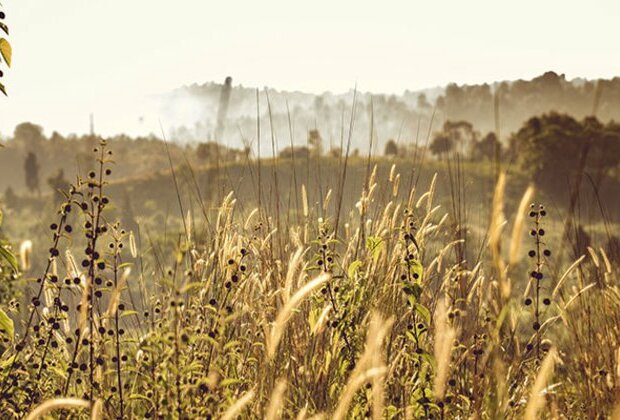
[
  {"x": 4, "y": 28},
  {"x": 392, "y": 412},
  {"x": 2, "y": 89},
  {"x": 313, "y": 317},
  {"x": 8, "y": 362},
  {"x": 192, "y": 367},
  {"x": 60, "y": 372},
  {"x": 192, "y": 286},
  {"x": 9, "y": 257},
  {"x": 423, "y": 312},
  {"x": 374, "y": 245},
  {"x": 417, "y": 270},
  {"x": 231, "y": 344},
  {"x": 413, "y": 292},
  {"x": 6, "y": 51},
  {"x": 353, "y": 267},
  {"x": 138, "y": 397},
  {"x": 6, "y": 325},
  {"x": 229, "y": 382}
]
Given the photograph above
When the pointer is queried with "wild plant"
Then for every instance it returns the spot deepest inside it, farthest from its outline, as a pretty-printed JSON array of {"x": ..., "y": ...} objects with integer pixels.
[{"x": 374, "y": 315}]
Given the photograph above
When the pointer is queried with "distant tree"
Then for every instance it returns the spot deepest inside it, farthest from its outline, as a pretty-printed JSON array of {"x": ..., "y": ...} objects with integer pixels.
[
  {"x": 31, "y": 169},
  {"x": 315, "y": 141},
  {"x": 319, "y": 105},
  {"x": 246, "y": 152},
  {"x": 462, "y": 133},
  {"x": 410, "y": 150},
  {"x": 10, "y": 198},
  {"x": 441, "y": 145},
  {"x": 454, "y": 136},
  {"x": 604, "y": 154},
  {"x": 58, "y": 184},
  {"x": 335, "y": 152},
  {"x": 485, "y": 148},
  {"x": 31, "y": 135},
  {"x": 527, "y": 98},
  {"x": 548, "y": 147},
  {"x": 56, "y": 138},
  {"x": 212, "y": 151},
  {"x": 299, "y": 152},
  {"x": 391, "y": 148},
  {"x": 422, "y": 102},
  {"x": 552, "y": 147},
  {"x": 204, "y": 151},
  {"x": 184, "y": 134},
  {"x": 222, "y": 110},
  {"x": 441, "y": 103}
]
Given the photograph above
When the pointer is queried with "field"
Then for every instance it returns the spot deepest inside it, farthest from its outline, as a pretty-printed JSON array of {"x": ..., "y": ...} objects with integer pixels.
[
  {"x": 329, "y": 289},
  {"x": 324, "y": 210}
]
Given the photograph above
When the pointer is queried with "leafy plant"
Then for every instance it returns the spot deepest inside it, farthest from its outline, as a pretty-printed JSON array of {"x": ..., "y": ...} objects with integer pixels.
[{"x": 6, "y": 51}]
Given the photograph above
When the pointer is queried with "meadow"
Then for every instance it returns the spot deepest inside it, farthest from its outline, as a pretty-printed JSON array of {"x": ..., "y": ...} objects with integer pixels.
[
  {"x": 220, "y": 251},
  {"x": 281, "y": 295}
]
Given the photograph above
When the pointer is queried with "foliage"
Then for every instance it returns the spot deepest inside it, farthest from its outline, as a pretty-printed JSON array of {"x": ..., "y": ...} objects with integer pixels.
[
  {"x": 487, "y": 148},
  {"x": 459, "y": 136},
  {"x": 554, "y": 148},
  {"x": 520, "y": 100},
  {"x": 31, "y": 169},
  {"x": 6, "y": 50},
  {"x": 297, "y": 152},
  {"x": 315, "y": 142},
  {"x": 391, "y": 148},
  {"x": 441, "y": 145},
  {"x": 213, "y": 153}
]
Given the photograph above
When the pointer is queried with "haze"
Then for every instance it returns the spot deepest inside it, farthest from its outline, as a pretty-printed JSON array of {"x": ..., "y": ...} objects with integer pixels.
[{"x": 114, "y": 57}]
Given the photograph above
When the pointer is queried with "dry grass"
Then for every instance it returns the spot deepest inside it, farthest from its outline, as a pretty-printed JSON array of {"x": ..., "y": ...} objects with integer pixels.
[{"x": 385, "y": 317}]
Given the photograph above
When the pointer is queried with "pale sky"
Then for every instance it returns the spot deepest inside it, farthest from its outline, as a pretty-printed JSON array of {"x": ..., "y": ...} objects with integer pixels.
[{"x": 72, "y": 57}]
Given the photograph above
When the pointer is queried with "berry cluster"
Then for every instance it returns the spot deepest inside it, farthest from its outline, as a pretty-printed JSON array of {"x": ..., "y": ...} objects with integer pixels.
[{"x": 539, "y": 254}]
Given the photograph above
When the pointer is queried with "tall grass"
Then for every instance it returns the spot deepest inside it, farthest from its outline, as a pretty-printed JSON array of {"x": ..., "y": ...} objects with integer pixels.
[{"x": 373, "y": 311}]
